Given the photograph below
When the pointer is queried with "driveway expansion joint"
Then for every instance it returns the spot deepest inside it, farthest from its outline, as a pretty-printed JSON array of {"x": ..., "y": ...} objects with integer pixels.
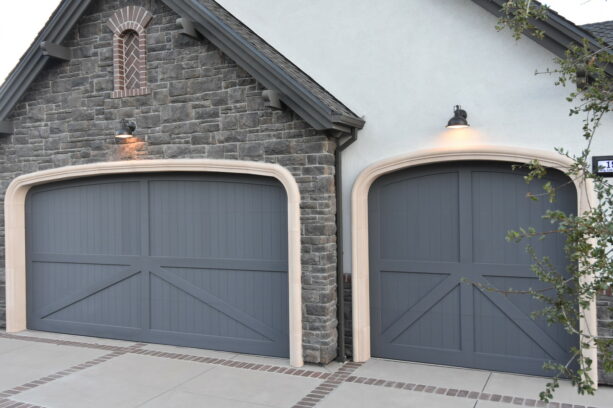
[{"x": 6, "y": 402}]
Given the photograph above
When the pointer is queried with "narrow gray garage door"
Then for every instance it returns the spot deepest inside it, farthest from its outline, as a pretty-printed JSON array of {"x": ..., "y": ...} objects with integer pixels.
[
  {"x": 432, "y": 226},
  {"x": 185, "y": 259}
]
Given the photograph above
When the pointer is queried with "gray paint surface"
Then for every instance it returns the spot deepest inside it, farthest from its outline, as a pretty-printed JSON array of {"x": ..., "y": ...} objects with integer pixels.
[
  {"x": 185, "y": 259},
  {"x": 436, "y": 231}
]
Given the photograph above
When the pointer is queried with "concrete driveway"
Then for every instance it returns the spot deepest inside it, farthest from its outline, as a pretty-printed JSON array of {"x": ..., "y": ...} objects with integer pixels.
[{"x": 53, "y": 370}]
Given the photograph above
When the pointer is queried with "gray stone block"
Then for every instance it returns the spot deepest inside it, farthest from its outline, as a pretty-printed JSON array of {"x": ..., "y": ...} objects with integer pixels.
[{"x": 180, "y": 112}]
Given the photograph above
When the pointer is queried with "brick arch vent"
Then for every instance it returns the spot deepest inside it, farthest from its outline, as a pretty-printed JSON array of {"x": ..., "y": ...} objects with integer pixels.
[{"x": 129, "y": 51}]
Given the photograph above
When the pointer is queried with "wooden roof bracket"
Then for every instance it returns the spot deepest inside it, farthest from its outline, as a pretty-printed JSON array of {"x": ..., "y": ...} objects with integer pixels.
[
  {"x": 6, "y": 127},
  {"x": 187, "y": 28},
  {"x": 54, "y": 50}
]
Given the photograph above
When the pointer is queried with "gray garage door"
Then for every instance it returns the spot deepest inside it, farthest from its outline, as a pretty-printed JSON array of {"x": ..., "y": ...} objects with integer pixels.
[
  {"x": 185, "y": 259},
  {"x": 432, "y": 226}
]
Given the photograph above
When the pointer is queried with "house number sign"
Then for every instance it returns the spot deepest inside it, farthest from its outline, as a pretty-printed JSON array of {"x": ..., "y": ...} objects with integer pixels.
[{"x": 603, "y": 165}]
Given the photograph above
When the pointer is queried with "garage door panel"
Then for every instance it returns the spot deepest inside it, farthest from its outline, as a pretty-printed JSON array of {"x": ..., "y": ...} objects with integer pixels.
[
  {"x": 495, "y": 333},
  {"x": 408, "y": 318},
  {"x": 402, "y": 291},
  {"x": 415, "y": 213},
  {"x": 86, "y": 219},
  {"x": 175, "y": 310},
  {"x": 218, "y": 219},
  {"x": 91, "y": 329},
  {"x": 259, "y": 293},
  {"x": 97, "y": 290},
  {"x": 425, "y": 354},
  {"x": 247, "y": 346},
  {"x": 527, "y": 304},
  {"x": 230, "y": 312},
  {"x": 56, "y": 285},
  {"x": 184, "y": 259},
  {"x": 528, "y": 326},
  {"x": 454, "y": 320},
  {"x": 114, "y": 305},
  {"x": 437, "y": 327},
  {"x": 500, "y": 204}
]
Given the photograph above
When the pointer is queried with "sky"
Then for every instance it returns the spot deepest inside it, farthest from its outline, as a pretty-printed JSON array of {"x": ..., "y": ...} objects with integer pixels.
[{"x": 21, "y": 20}]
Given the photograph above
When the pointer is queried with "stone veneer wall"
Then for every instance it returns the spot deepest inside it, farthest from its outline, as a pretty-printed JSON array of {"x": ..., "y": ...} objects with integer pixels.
[
  {"x": 202, "y": 105},
  {"x": 605, "y": 326}
]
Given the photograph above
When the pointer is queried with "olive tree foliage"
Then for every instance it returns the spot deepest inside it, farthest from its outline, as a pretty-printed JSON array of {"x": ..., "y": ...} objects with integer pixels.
[{"x": 589, "y": 235}]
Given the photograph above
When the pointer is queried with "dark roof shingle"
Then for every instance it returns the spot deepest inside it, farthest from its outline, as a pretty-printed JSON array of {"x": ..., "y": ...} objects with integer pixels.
[{"x": 602, "y": 30}]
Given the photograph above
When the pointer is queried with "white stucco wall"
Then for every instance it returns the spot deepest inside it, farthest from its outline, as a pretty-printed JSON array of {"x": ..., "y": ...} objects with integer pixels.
[{"x": 404, "y": 64}]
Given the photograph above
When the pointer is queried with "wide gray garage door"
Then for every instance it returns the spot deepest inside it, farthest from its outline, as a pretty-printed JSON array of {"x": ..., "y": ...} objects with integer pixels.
[
  {"x": 432, "y": 226},
  {"x": 193, "y": 260}
]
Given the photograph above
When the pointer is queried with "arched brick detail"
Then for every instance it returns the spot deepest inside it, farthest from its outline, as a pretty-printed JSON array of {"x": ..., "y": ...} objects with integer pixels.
[{"x": 129, "y": 58}]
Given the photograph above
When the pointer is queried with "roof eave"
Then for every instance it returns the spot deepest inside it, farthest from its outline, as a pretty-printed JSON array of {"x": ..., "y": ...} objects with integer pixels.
[
  {"x": 560, "y": 33},
  {"x": 33, "y": 61},
  {"x": 349, "y": 121}
]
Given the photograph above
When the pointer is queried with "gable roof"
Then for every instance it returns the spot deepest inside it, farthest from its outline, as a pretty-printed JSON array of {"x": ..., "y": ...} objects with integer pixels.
[
  {"x": 602, "y": 30},
  {"x": 296, "y": 89},
  {"x": 560, "y": 33}
]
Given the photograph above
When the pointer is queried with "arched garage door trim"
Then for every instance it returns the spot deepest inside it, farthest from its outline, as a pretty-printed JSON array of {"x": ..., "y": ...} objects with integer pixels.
[
  {"x": 359, "y": 216},
  {"x": 14, "y": 210}
]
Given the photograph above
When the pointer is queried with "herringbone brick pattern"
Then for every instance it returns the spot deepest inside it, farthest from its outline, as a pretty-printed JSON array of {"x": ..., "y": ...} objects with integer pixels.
[
  {"x": 129, "y": 51},
  {"x": 131, "y": 60}
]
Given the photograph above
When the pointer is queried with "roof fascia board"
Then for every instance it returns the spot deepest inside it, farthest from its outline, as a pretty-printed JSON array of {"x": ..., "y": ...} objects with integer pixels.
[
  {"x": 559, "y": 32},
  {"x": 15, "y": 87},
  {"x": 55, "y": 50},
  {"x": 30, "y": 65},
  {"x": 253, "y": 61},
  {"x": 348, "y": 121},
  {"x": 552, "y": 41}
]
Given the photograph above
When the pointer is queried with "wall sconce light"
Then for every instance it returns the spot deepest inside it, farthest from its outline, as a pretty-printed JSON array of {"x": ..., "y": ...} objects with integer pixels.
[
  {"x": 126, "y": 129},
  {"x": 459, "y": 119}
]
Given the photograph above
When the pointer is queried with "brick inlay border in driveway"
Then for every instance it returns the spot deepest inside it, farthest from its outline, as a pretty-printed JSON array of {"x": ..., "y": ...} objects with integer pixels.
[
  {"x": 324, "y": 389},
  {"x": 236, "y": 364},
  {"x": 331, "y": 381},
  {"x": 459, "y": 393}
]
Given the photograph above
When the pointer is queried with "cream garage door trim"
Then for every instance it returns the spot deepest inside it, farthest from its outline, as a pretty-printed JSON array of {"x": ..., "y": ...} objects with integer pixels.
[
  {"x": 14, "y": 210},
  {"x": 359, "y": 222}
]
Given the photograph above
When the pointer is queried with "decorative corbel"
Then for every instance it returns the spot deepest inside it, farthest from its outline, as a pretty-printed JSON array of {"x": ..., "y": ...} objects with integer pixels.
[
  {"x": 6, "y": 127},
  {"x": 272, "y": 99},
  {"x": 55, "y": 50},
  {"x": 187, "y": 28}
]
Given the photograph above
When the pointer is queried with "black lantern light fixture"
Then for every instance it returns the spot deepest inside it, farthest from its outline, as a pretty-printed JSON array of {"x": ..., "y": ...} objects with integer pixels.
[
  {"x": 459, "y": 119},
  {"x": 126, "y": 129}
]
